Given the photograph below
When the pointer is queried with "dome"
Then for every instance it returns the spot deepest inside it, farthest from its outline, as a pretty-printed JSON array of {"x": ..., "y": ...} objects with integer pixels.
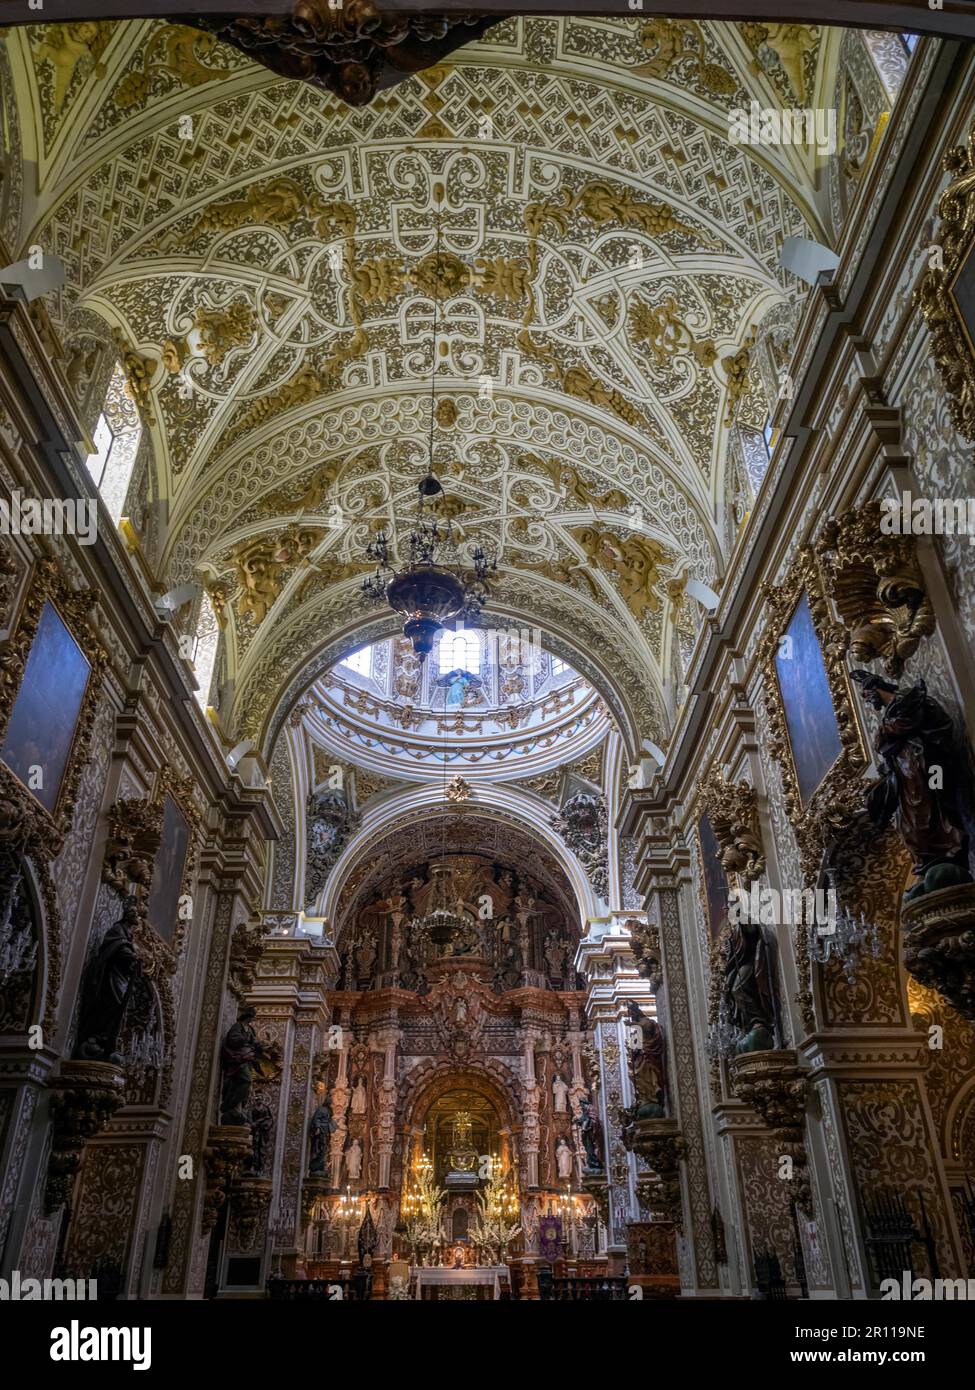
[{"x": 489, "y": 700}]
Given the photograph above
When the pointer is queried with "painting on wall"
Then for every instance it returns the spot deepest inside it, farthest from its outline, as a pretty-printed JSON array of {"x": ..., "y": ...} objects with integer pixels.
[
  {"x": 41, "y": 731},
  {"x": 810, "y": 716},
  {"x": 168, "y": 869},
  {"x": 715, "y": 880},
  {"x": 963, "y": 296}
]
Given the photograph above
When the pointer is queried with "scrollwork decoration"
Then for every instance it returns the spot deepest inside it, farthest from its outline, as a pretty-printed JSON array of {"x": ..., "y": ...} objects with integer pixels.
[{"x": 951, "y": 347}]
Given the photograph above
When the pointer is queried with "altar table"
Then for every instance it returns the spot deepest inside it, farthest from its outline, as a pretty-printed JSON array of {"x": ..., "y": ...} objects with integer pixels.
[{"x": 490, "y": 1275}]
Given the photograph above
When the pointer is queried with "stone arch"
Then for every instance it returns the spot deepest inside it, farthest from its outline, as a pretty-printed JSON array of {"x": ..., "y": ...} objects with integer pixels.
[
  {"x": 630, "y": 692},
  {"x": 381, "y": 820},
  {"x": 431, "y": 1080}
]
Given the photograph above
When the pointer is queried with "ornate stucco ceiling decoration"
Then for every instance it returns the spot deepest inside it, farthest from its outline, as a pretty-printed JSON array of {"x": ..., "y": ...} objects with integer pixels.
[
  {"x": 266, "y": 255},
  {"x": 549, "y": 785},
  {"x": 366, "y": 784},
  {"x": 494, "y": 837}
]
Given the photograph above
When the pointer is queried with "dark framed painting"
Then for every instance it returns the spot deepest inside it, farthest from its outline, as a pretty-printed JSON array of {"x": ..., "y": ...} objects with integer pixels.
[
  {"x": 168, "y": 869},
  {"x": 40, "y": 734},
  {"x": 807, "y": 702},
  {"x": 962, "y": 292},
  {"x": 715, "y": 879}
]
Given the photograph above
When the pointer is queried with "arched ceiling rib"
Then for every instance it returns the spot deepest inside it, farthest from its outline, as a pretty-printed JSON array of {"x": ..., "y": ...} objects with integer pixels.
[
  {"x": 606, "y": 253},
  {"x": 410, "y": 839}
]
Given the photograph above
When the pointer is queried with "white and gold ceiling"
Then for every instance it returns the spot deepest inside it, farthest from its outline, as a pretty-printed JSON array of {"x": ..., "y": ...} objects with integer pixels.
[{"x": 265, "y": 255}]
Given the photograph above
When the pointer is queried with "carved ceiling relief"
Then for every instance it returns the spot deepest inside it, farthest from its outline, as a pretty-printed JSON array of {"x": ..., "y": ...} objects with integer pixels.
[
  {"x": 11, "y": 146},
  {"x": 250, "y": 285},
  {"x": 64, "y": 57},
  {"x": 787, "y": 53}
]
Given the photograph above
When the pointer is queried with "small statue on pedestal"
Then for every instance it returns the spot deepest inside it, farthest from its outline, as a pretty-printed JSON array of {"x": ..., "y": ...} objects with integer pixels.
[
  {"x": 353, "y": 1160},
  {"x": 365, "y": 960},
  {"x": 917, "y": 749},
  {"x": 560, "y": 1092},
  {"x": 555, "y": 956},
  {"x": 239, "y": 1053},
  {"x": 590, "y": 1132},
  {"x": 261, "y": 1125},
  {"x": 648, "y": 1066},
  {"x": 320, "y": 1129},
  {"x": 109, "y": 978}
]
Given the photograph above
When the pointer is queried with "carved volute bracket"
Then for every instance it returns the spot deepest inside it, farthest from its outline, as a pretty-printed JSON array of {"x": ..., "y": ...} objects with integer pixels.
[
  {"x": 134, "y": 832},
  {"x": 251, "y": 1201},
  {"x": 645, "y": 944},
  {"x": 246, "y": 950},
  {"x": 875, "y": 581},
  {"x": 774, "y": 1086},
  {"x": 227, "y": 1149},
  {"x": 939, "y": 944},
  {"x": 660, "y": 1144},
  {"x": 732, "y": 809},
  {"x": 596, "y": 1186},
  {"x": 313, "y": 1193},
  {"x": 86, "y": 1096}
]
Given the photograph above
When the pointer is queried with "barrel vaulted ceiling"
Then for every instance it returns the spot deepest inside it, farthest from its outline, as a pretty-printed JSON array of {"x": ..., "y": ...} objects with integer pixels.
[{"x": 606, "y": 257}]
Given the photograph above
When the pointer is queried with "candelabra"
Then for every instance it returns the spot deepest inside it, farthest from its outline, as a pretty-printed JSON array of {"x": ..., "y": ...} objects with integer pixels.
[
  {"x": 421, "y": 1205},
  {"x": 723, "y": 1036},
  {"x": 280, "y": 1230},
  {"x": 845, "y": 940},
  {"x": 433, "y": 587},
  {"x": 497, "y": 1220},
  {"x": 567, "y": 1215},
  {"x": 347, "y": 1215},
  {"x": 143, "y": 1054}
]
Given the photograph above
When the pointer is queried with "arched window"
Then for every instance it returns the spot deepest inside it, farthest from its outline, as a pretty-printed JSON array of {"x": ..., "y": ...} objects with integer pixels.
[
  {"x": 205, "y": 651},
  {"x": 360, "y": 662},
  {"x": 116, "y": 438},
  {"x": 559, "y": 667},
  {"x": 459, "y": 651}
]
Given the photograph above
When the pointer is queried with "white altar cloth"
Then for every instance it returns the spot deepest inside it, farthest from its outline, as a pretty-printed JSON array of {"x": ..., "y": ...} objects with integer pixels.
[{"x": 484, "y": 1274}]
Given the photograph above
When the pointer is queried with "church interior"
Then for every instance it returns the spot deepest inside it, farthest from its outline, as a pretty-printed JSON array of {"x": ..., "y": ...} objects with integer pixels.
[{"x": 499, "y": 486}]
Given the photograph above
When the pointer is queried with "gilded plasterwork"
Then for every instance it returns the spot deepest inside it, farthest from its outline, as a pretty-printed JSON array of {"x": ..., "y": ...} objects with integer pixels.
[
  {"x": 266, "y": 262},
  {"x": 951, "y": 344}
]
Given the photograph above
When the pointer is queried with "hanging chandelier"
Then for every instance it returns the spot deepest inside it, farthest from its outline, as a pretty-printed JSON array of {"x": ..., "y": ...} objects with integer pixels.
[
  {"x": 440, "y": 923},
  {"x": 436, "y": 587},
  {"x": 428, "y": 590}
]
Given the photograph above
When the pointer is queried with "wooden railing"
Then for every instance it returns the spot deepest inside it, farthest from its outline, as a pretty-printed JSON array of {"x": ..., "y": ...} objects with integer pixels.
[
  {"x": 307, "y": 1290},
  {"x": 604, "y": 1288}
]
